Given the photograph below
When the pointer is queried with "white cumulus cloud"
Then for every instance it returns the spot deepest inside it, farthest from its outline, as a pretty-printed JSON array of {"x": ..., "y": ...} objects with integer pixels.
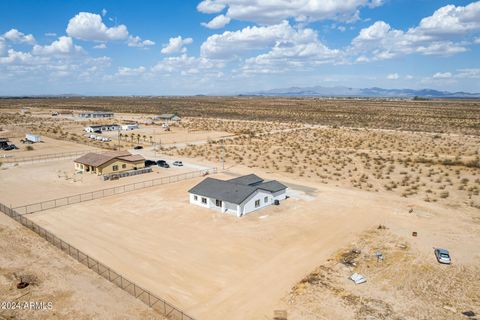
[
  {"x": 442, "y": 33},
  {"x": 17, "y": 57},
  {"x": 138, "y": 42},
  {"x": 283, "y": 47},
  {"x": 218, "y": 22},
  {"x": 89, "y": 26},
  {"x": 18, "y": 37},
  {"x": 273, "y": 12},
  {"x": 176, "y": 45},
  {"x": 63, "y": 46}
]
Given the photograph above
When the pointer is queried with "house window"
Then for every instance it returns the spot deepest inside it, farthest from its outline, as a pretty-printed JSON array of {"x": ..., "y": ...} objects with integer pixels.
[
  {"x": 204, "y": 200},
  {"x": 195, "y": 198},
  {"x": 124, "y": 166},
  {"x": 115, "y": 168},
  {"x": 218, "y": 203},
  {"x": 257, "y": 203},
  {"x": 265, "y": 199}
]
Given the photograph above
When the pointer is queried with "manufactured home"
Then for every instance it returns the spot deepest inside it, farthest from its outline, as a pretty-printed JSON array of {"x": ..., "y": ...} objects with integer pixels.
[
  {"x": 129, "y": 126},
  {"x": 238, "y": 196},
  {"x": 96, "y": 115},
  {"x": 100, "y": 128}
]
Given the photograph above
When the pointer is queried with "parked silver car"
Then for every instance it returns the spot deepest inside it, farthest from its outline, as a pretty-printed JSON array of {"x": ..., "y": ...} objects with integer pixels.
[{"x": 443, "y": 256}]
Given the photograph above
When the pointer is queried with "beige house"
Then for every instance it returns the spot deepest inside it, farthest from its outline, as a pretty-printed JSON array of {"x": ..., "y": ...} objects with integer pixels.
[{"x": 109, "y": 162}]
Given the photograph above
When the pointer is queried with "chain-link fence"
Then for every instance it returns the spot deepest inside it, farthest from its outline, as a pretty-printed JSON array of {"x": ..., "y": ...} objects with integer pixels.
[
  {"x": 97, "y": 194},
  {"x": 158, "y": 304},
  {"x": 45, "y": 157}
]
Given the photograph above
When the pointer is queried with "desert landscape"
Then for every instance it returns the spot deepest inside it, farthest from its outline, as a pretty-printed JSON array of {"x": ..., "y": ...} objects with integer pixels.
[{"x": 399, "y": 180}]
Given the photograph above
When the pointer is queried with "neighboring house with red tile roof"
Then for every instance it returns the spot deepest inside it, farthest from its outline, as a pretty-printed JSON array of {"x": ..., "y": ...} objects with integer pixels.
[{"x": 109, "y": 162}]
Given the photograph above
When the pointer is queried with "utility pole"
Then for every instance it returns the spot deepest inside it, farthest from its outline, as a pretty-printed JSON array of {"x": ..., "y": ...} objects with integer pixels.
[
  {"x": 118, "y": 136},
  {"x": 223, "y": 155}
]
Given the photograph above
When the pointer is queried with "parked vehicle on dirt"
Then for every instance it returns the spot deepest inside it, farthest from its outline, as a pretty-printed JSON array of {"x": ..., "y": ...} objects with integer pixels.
[
  {"x": 10, "y": 147},
  {"x": 149, "y": 163},
  {"x": 162, "y": 164},
  {"x": 178, "y": 163},
  {"x": 138, "y": 147},
  {"x": 443, "y": 256}
]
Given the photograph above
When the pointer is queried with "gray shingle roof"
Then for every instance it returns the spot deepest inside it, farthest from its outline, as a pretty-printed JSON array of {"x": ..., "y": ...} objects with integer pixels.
[
  {"x": 272, "y": 186},
  {"x": 233, "y": 192},
  {"x": 247, "y": 180},
  {"x": 223, "y": 190}
]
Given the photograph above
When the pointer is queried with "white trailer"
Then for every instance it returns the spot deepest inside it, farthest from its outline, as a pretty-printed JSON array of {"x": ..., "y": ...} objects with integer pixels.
[{"x": 33, "y": 137}]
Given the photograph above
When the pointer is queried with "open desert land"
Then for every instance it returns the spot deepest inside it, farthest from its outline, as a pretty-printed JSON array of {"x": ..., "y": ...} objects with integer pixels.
[
  {"x": 73, "y": 290},
  {"x": 71, "y": 128},
  {"x": 363, "y": 175},
  {"x": 212, "y": 265}
]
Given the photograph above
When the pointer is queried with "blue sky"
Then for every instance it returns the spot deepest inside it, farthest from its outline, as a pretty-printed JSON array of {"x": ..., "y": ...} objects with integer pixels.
[{"x": 186, "y": 47}]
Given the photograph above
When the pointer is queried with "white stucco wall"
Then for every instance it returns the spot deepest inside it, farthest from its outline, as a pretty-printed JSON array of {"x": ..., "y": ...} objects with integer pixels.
[
  {"x": 198, "y": 202},
  {"x": 231, "y": 208},
  {"x": 280, "y": 195},
  {"x": 246, "y": 207},
  {"x": 249, "y": 204}
]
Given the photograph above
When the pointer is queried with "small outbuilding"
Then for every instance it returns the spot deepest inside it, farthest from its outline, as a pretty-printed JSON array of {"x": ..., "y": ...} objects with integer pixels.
[
  {"x": 238, "y": 196},
  {"x": 109, "y": 162},
  {"x": 167, "y": 117}
]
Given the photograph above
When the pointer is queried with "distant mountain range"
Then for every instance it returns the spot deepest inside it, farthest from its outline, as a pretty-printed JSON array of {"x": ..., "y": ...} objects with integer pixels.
[{"x": 358, "y": 92}]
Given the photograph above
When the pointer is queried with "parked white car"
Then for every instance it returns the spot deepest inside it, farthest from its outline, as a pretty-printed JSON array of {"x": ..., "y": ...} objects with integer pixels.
[{"x": 443, "y": 256}]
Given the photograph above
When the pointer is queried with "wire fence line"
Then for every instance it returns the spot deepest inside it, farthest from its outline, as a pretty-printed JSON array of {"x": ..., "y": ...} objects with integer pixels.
[
  {"x": 45, "y": 157},
  {"x": 156, "y": 303},
  {"x": 102, "y": 193}
]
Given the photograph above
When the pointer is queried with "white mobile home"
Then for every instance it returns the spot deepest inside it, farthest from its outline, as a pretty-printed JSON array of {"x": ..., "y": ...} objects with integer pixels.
[
  {"x": 96, "y": 115},
  {"x": 238, "y": 196},
  {"x": 100, "y": 128},
  {"x": 129, "y": 126}
]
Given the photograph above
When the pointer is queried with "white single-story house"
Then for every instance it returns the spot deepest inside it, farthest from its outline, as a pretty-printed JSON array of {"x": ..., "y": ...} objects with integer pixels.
[
  {"x": 96, "y": 114},
  {"x": 100, "y": 128},
  {"x": 167, "y": 117},
  {"x": 129, "y": 126},
  {"x": 238, "y": 196}
]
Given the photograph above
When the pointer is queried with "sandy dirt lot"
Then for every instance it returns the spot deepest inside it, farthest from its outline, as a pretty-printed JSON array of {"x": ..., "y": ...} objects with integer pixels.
[
  {"x": 213, "y": 265},
  {"x": 75, "y": 292},
  {"x": 47, "y": 146},
  {"x": 407, "y": 283},
  {"x": 31, "y": 183}
]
